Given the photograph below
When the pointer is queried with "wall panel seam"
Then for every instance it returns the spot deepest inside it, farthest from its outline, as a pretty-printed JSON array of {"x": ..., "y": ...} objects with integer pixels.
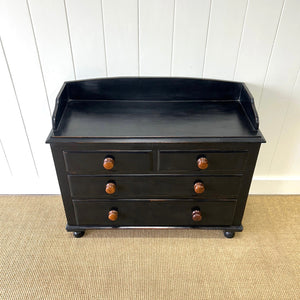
[
  {"x": 104, "y": 42},
  {"x": 172, "y": 38},
  {"x": 20, "y": 111},
  {"x": 206, "y": 39},
  {"x": 270, "y": 56},
  {"x": 138, "y": 36},
  {"x": 70, "y": 41},
  {"x": 241, "y": 38},
  {"x": 38, "y": 55},
  {"x": 6, "y": 158},
  {"x": 284, "y": 119}
]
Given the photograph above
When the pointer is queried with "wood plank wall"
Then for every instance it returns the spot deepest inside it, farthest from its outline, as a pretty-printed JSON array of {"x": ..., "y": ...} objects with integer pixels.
[{"x": 45, "y": 42}]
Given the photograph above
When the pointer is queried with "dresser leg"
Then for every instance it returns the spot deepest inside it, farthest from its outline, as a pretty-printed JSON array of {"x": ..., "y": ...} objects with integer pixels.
[
  {"x": 229, "y": 234},
  {"x": 78, "y": 234}
]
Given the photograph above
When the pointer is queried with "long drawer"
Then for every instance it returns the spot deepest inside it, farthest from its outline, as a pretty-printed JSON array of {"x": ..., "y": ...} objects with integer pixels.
[
  {"x": 154, "y": 186},
  {"x": 154, "y": 213}
]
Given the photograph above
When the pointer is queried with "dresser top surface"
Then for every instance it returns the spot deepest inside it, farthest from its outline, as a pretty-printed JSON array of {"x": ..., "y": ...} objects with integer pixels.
[
  {"x": 154, "y": 108},
  {"x": 178, "y": 119}
]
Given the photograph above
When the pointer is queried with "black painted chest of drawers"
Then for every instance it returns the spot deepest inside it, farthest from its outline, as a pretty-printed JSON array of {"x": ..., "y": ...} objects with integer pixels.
[{"x": 154, "y": 152}]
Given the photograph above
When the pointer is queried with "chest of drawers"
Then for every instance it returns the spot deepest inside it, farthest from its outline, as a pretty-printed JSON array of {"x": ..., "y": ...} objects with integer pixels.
[{"x": 154, "y": 152}]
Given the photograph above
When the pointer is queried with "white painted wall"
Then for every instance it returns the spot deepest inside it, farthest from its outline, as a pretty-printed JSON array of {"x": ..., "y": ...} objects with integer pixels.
[{"x": 45, "y": 42}]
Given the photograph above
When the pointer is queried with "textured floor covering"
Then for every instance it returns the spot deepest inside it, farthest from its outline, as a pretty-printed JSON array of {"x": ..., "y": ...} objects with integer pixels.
[{"x": 40, "y": 260}]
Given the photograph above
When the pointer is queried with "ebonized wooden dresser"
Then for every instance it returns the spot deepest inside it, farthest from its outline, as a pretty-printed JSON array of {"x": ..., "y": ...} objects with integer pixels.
[{"x": 154, "y": 152}]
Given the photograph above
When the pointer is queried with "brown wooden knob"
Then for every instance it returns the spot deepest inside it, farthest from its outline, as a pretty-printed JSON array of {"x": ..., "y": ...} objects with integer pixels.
[
  {"x": 199, "y": 187},
  {"x": 113, "y": 215},
  {"x": 196, "y": 215},
  {"x": 108, "y": 163},
  {"x": 202, "y": 163},
  {"x": 110, "y": 188}
]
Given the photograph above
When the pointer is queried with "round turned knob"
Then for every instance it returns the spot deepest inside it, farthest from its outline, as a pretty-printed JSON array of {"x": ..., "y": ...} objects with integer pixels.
[
  {"x": 108, "y": 163},
  {"x": 196, "y": 215},
  {"x": 199, "y": 188},
  {"x": 110, "y": 188},
  {"x": 113, "y": 215},
  {"x": 202, "y": 163}
]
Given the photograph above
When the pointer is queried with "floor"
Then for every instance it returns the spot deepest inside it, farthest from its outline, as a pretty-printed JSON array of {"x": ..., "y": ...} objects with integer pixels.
[{"x": 40, "y": 260}]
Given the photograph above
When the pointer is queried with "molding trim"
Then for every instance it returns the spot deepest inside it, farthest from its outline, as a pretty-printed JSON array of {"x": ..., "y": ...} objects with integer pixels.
[{"x": 285, "y": 185}]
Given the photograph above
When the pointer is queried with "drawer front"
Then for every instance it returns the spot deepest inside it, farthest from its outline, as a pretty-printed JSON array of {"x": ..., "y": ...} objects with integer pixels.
[
  {"x": 154, "y": 213},
  {"x": 186, "y": 161},
  {"x": 154, "y": 186},
  {"x": 123, "y": 162}
]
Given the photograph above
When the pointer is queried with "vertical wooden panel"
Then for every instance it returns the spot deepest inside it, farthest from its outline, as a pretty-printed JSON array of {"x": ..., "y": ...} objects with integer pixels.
[
  {"x": 51, "y": 33},
  {"x": 258, "y": 37},
  {"x": 121, "y": 36},
  {"x": 286, "y": 160},
  {"x": 19, "y": 45},
  {"x": 190, "y": 31},
  {"x": 156, "y": 35},
  {"x": 280, "y": 80},
  {"x": 86, "y": 31},
  {"x": 224, "y": 35},
  {"x": 12, "y": 131}
]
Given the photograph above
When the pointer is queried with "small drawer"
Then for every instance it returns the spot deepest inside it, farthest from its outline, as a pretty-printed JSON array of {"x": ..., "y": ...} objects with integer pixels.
[
  {"x": 154, "y": 186},
  {"x": 108, "y": 162},
  {"x": 154, "y": 213},
  {"x": 201, "y": 161}
]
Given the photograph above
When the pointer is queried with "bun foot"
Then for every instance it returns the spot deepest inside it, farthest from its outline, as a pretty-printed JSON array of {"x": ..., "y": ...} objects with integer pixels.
[
  {"x": 229, "y": 234},
  {"x": 78, "y": 234}
]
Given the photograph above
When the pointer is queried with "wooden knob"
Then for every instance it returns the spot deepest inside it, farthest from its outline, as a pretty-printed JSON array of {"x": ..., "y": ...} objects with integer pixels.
[
  {"x": 196, "y": 215},
  {"x": 202, "y": 163},
  {"x": 199, "y": 188},
  {"x": 108, "y": 163},
  {"x": 113, "y": 215},
  {"x": 110, "y": 188}
]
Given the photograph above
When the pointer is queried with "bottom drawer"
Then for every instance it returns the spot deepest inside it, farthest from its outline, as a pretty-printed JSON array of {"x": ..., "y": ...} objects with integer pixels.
[{"x": 154, "y": 212}]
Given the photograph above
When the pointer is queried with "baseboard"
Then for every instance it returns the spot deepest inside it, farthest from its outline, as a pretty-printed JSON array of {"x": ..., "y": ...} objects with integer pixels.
[
  {"x": 19, "y": 186},
  {"x": 288, "y": 185}
]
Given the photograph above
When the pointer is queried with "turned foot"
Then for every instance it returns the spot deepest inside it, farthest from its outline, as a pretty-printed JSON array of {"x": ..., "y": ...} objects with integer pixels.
[
  {"x": 229, "y": 234},
  {"x": 78, "y": 234}
]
